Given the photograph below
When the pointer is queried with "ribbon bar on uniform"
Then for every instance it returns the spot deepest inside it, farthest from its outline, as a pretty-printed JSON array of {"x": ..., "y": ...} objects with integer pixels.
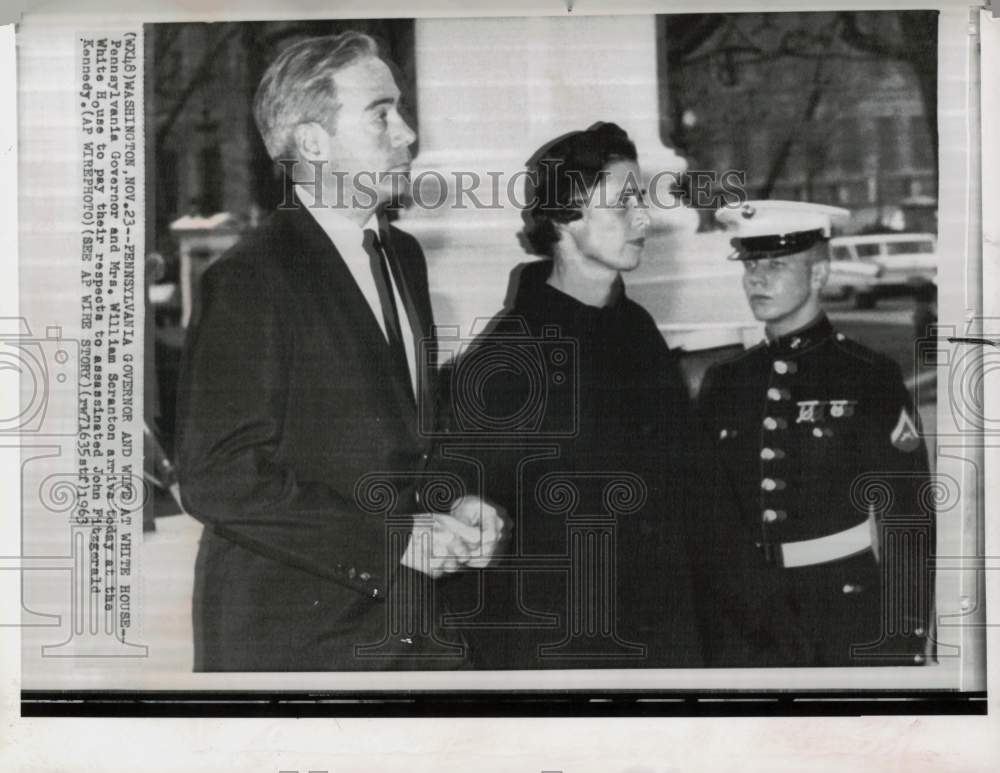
[{"x": 832, "y": 547}]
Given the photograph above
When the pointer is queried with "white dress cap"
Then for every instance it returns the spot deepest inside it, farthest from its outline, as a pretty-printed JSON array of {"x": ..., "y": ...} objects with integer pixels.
[{"x": 774, "y": 227}]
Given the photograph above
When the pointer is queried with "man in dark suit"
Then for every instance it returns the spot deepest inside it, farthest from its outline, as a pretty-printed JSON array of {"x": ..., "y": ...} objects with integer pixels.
[
  {"x": 301, "y": 382},
  {"x": 827, "y": 562}
]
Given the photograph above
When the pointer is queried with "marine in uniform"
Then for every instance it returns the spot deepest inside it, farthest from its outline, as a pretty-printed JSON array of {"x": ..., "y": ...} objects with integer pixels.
[{"x": 823, "y": 560}]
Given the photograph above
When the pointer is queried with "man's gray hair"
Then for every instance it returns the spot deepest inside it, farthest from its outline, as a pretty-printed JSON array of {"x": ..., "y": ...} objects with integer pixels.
[{"x": 298, "y": 87}]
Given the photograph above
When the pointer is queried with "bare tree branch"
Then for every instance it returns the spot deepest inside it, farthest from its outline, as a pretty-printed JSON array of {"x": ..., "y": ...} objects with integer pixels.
[
  {"x": 856, "y": 37},
  {"x": 197, "y": 80},
  {"x": 687, "y": 33},
  {"x": 808, "y": 114}
]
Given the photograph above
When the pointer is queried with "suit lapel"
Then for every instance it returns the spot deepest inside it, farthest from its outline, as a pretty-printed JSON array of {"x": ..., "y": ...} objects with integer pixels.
[
  {"x": 420, "y": 324},
  {"x": 321, "y": 258}
]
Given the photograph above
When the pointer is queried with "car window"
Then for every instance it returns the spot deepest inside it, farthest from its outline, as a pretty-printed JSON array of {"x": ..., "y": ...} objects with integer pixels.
[
  {"x": 867, "y": 250},
  {"x": 922, "y": 247},
  {"x": 841, "y": 253}
]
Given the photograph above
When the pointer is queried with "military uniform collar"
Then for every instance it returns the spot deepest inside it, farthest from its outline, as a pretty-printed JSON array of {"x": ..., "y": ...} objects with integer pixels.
[{"x": 803, "y": 339}]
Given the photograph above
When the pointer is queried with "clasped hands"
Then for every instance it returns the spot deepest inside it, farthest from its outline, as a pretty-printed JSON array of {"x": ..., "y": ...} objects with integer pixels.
[{"x": 466, "y": 536}]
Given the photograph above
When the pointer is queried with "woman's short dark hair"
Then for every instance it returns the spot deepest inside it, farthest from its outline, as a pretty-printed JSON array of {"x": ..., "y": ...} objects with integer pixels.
[{"x": 562, "y": 173}]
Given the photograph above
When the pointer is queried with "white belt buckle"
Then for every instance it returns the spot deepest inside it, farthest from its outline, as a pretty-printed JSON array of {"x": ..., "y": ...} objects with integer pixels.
[{"x": 832, "y": 547}]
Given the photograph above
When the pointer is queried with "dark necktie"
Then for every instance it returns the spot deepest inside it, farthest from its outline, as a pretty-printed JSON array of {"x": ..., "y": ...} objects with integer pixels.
[{"x": 379, "y": 263}]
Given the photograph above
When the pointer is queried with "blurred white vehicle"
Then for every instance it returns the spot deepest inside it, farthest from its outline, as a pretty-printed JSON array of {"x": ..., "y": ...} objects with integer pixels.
[
  {"x": 850, "y": 278},
  {"x": 875, "y": 266}
]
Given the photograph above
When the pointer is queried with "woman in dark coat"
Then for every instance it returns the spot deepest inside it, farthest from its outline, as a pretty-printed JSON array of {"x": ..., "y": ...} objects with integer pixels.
[{"x": 583, "y": 433}]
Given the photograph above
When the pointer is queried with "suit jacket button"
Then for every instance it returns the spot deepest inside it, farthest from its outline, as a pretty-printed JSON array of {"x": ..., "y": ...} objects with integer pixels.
[{"x": 781, "y": 367}]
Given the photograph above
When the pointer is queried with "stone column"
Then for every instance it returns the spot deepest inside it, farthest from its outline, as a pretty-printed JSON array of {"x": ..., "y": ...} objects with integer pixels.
[{"x": 491, "y": 91}]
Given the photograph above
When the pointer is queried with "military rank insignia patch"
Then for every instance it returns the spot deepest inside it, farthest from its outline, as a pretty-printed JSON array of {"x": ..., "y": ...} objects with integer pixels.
[{"x": 904, "y": 435}]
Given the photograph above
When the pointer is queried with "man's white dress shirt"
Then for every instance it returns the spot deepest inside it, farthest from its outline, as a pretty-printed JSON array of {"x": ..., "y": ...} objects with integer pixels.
[{"x": 348, "y": 238}]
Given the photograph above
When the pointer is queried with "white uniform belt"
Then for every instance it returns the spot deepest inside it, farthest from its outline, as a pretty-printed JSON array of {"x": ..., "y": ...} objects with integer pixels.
[{"x": 845, "y": 543}]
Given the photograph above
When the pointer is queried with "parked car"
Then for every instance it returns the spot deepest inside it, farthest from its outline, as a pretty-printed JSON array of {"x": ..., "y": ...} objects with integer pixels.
[{"x": 875, "y": 266}]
